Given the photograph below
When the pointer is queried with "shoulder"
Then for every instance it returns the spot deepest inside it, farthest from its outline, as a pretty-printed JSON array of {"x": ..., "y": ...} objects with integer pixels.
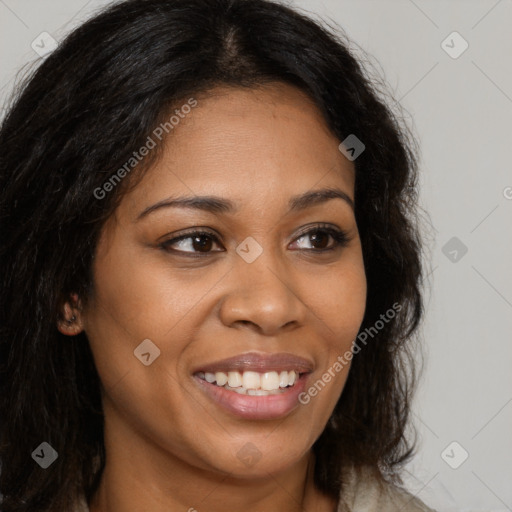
[{"x": 364, "y": 493}]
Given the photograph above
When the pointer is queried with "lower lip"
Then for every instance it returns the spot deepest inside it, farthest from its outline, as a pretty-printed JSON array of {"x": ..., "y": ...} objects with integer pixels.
[{"x": 256, "y": 407}]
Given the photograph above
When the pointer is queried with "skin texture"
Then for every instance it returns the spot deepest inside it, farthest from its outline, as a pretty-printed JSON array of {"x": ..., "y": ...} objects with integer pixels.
[{"x": 168, "y": 445}]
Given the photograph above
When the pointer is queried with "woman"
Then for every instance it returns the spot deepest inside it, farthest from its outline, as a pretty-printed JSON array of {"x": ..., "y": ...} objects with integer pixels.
[{"x": 211, "y": 270}]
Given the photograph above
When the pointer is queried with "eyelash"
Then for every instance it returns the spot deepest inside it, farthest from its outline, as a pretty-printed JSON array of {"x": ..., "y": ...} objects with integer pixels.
[{"x": 340, "y": 238}]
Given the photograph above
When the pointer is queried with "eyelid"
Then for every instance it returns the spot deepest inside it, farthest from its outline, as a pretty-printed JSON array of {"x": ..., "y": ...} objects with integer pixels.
[
  {"x": 340, "y": 237},
  {"x": 317, "y": 226},
  {"x": 189, "y": 234}
]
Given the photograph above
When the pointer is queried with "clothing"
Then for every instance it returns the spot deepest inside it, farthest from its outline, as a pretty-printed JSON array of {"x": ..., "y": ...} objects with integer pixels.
[
  {"x": 363, "y": 495},
  {"x": 367, "y": 495}
]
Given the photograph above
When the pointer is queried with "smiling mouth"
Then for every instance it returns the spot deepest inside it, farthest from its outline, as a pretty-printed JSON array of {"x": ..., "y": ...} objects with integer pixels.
[{"x": 253, "y": 383}]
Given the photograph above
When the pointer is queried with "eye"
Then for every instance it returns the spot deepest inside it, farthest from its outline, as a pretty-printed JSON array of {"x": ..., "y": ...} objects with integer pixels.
[
  {"x": 319, "y": 236},
  {"x": 198, "y": 241}
]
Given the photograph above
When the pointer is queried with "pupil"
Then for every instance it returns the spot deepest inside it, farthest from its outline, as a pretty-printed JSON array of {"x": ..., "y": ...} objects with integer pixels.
[
  {"x": 206, "y": 244},
  {"x": 318, "y": 236}
]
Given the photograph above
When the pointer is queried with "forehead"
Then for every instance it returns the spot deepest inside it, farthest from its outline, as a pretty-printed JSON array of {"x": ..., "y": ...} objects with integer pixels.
[{"x": 245, "y": 144}]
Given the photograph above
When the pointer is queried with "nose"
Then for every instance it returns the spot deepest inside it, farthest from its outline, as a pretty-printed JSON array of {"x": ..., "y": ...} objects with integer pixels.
[{"x": 263, "y": 296}]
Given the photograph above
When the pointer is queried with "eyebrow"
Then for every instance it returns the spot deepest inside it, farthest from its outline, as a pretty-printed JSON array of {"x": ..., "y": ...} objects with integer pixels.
[{"x": 215, "y": 204}]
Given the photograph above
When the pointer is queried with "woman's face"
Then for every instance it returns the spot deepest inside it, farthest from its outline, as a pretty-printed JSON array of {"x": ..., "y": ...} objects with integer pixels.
[{"x": 268, "y": 278}]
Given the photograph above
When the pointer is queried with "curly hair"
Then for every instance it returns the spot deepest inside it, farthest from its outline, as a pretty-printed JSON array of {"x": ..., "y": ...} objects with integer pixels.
[{"x": 78, "y": 117}]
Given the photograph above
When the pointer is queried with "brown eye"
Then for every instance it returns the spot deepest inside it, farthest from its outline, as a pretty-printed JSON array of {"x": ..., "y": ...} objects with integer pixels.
[
  {"x": 201, "y": 243},
  {"x": 197, "y": 242},
  {"x": 318, "y": 238}
]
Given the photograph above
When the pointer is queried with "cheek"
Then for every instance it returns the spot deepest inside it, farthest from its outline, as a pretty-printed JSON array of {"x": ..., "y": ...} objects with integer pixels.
[
  {"x": 138, "y": 298},
  {"x": 340, "y": 305},
  {"x": 339, "y": 300},
  {"x": 140, "y": 295},
  {"x": 131, "y": 303},
  {"x": 341, "y": 310}
]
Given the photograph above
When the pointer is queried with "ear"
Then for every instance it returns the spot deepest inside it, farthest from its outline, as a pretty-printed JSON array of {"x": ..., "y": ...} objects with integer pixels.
[{"x": 70, "y": 321}]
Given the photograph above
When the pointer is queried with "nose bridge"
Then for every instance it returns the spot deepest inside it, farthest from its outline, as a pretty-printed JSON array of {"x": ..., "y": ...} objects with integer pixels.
[{"x": 261, "y": 291}]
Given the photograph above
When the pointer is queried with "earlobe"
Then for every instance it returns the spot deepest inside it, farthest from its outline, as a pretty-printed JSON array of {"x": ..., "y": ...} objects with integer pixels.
[{"x": 70, "y": 321}]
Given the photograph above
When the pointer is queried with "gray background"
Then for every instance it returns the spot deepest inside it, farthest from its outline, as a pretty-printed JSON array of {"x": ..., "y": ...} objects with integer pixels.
[{"x": 461, "y": 110}]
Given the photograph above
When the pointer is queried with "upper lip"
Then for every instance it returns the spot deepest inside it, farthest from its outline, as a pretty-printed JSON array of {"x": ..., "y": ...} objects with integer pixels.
[{"x": 258, "y": 362}]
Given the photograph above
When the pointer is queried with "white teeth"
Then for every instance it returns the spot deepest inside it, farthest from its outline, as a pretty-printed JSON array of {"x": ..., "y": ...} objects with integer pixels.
[
  {"x": 209, "y": 377},
  {"x": 234, "y": 379},
  {"x": 252, "y": 383},
  {"x": 254, "y": 392},
  {"x": 251, "y": 380},
  {"x": 270, "y": 381},
  {"x": 261, "y": 392},
  {"x": 221, "y": 378}
]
